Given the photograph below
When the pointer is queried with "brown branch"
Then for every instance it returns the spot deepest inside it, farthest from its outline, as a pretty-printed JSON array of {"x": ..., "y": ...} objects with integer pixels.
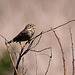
[
  {"x": 60, "y": 25},
  {"x": 63, "y": 56},
  {"x": 72, "y": 52},
  {"x": 11, "y": 58},
  {"x": 9, "y": 44}
]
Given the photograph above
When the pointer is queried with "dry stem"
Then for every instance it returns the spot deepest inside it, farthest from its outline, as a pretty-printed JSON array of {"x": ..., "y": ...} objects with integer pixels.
[
  {"x": 50, "y": 56},
  {"x": 63, "y": 57},
  {"x": 23, "y": 66},
  {"x": 72, "y": 51},
  {"x": 11, "y": 58}
]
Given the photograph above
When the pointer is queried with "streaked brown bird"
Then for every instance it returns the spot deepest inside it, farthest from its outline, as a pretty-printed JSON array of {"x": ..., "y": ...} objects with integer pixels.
[{"x": 25, "y": 34}]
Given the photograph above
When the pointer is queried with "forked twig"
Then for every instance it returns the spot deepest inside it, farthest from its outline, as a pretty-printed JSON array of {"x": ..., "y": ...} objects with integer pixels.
[
  {"x": 50, "y": 56},
  {"x": 10, "y": 53},
  {"x": 11, "y": 58},
  {"x": 9, "y": 44}
]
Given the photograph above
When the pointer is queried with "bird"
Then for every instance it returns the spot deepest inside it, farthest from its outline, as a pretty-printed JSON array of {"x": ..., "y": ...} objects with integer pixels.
[{"x": 25, "y": 35}]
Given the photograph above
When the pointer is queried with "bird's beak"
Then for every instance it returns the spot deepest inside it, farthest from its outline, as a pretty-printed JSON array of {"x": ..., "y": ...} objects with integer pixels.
[{"x": 33, "y": 27}]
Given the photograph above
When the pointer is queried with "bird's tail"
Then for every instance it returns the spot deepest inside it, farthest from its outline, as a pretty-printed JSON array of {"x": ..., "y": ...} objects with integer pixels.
[{"x": 10, "y": 41}]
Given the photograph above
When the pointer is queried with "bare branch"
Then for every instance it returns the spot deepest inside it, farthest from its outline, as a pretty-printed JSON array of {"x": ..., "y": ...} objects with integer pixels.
[
  {"x": 63, "y": 57},
  {"x": 72, "y": 52},
  {"x": 26, "y": 71},
  {"x": 60, "y": 25},
  {"x": 4, "y": 37},
  {"x": 23, "y": 66},
  {"x": 11, "y": 58},
  {"x": 49, "y": 63},
  {"x": 41, "y": 50},
  {"x": 10, "y": 45},
  {"x": 36, "y": 62},
  {"x": 38, "y": 41},
  {"x": 47, "y": 55},
  {"x": 10, "y": 53}
]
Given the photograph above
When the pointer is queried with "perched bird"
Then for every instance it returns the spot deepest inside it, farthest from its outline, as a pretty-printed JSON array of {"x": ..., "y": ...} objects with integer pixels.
[{"x": 25, "y": 34}]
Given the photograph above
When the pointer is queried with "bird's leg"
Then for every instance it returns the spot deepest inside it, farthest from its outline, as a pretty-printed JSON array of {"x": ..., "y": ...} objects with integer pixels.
[
  {"x": 21, "y": 45},
  {"x": 28, "y": 41}
]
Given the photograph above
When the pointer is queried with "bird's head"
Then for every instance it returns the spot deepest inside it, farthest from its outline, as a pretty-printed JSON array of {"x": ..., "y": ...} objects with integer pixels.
[{"x": 30, "y": 26}]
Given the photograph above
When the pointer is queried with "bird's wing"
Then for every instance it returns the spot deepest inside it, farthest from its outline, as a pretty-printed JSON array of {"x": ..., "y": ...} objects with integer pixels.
[
  {"x": 20, "y": 36},
  {"x": 23, "y": 33}
]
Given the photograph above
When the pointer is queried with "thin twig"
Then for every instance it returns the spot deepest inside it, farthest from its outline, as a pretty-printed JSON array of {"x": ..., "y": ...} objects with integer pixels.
[
  {"x": 18, "y": 61},
  {"x": 9, "y": 44},
  {"x": 38, "y": 41},
  {"x": 49, "y": 63},
  {"x": 63, "y": 56},
  {"x": 41, "y": 50},
  {"x": 26, "y": 71},
  {"x": 3, "y": 37},
  {"x": 60, "y": 25},
  {"x": 36, "y": 62},
  {"x": 11, "y": 58},
  {"x": 10, "y": 53},
  {"x": 47, "y": 55},
  {"x": 23, "y": 66},
  {"x": 72, "y": 52}
]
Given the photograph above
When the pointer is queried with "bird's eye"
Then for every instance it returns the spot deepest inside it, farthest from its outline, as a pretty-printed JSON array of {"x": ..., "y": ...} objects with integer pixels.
[{"x": 30, "y": 25}]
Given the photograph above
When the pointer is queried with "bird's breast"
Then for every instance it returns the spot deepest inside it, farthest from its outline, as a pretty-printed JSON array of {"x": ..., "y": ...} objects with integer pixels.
[{"x": 31, "y": 32}]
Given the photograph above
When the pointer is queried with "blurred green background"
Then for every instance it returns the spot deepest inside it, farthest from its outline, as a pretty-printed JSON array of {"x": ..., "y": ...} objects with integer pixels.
[{"x": 5, "y": 64}]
